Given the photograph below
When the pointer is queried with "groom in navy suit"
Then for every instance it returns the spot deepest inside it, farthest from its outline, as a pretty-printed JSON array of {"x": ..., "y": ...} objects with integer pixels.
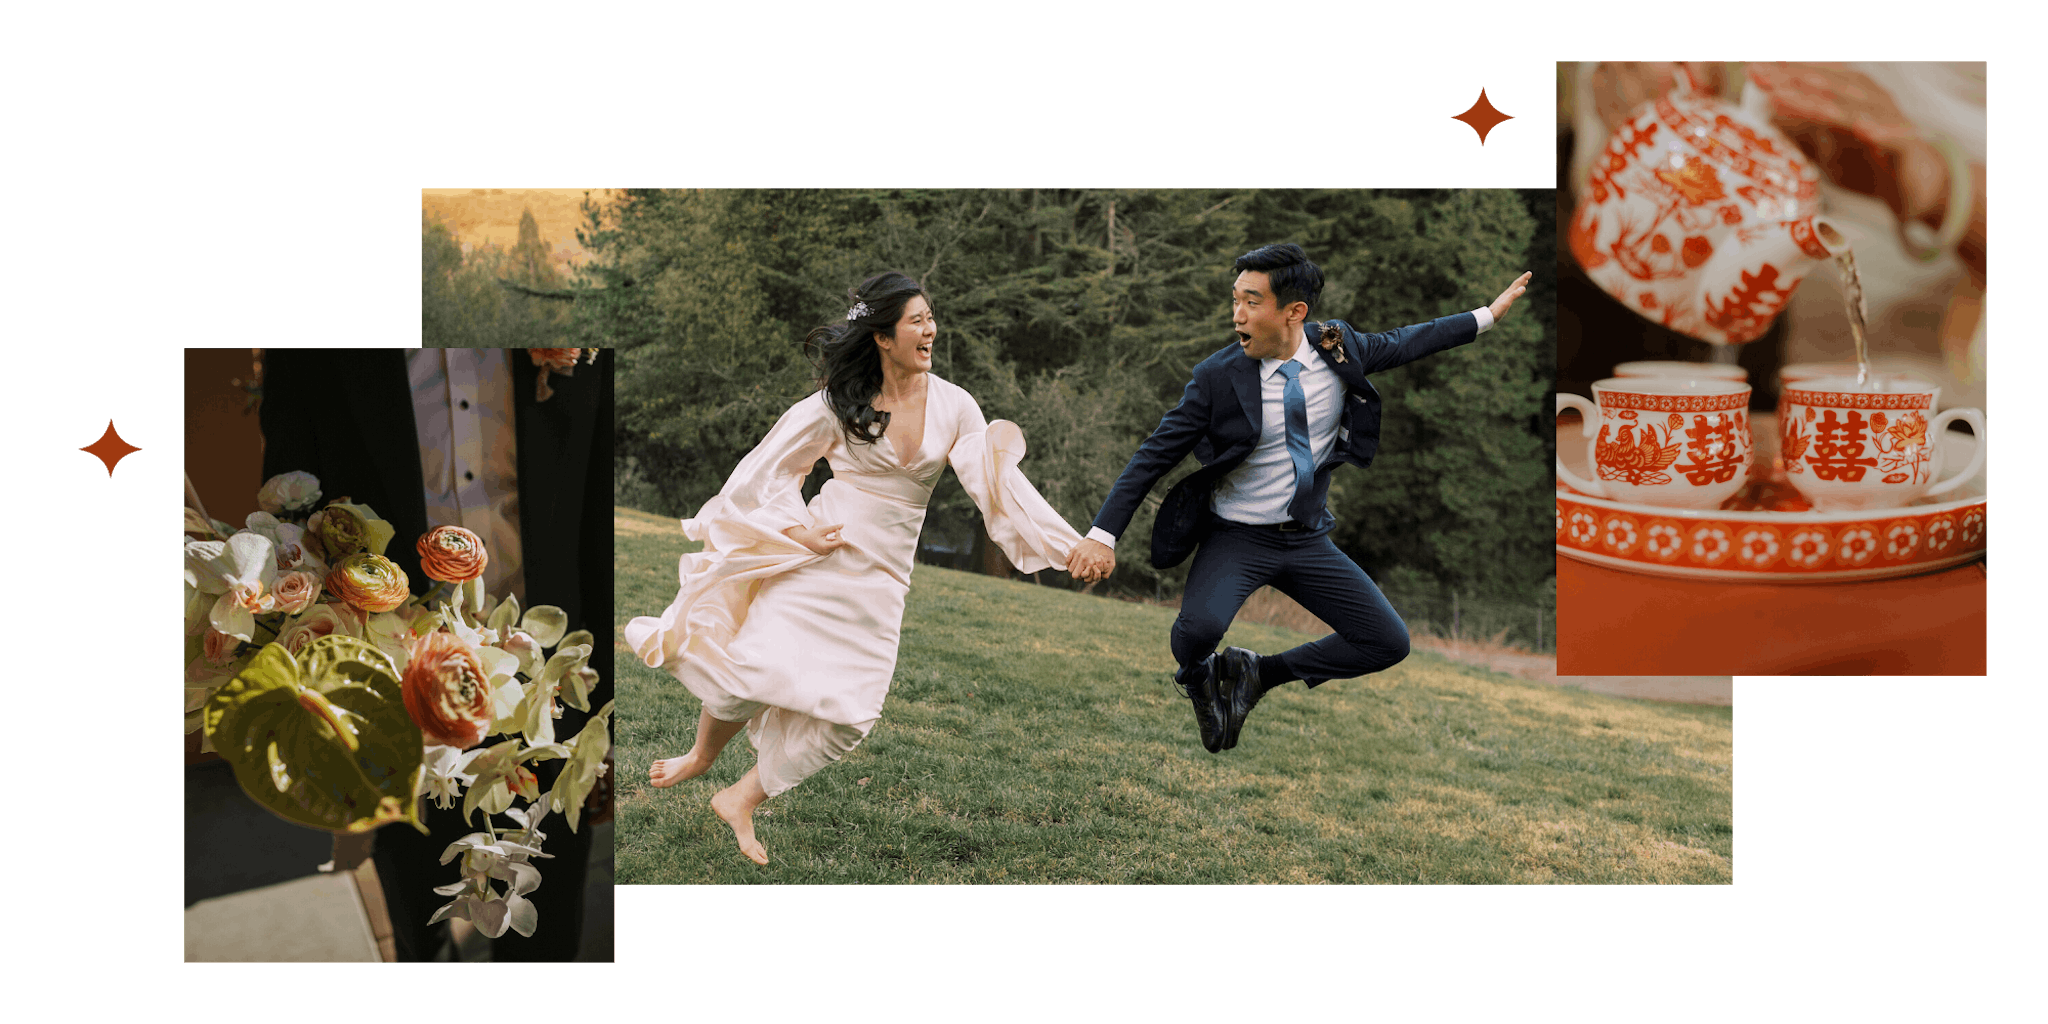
[{"x": 1268, "y": 418}]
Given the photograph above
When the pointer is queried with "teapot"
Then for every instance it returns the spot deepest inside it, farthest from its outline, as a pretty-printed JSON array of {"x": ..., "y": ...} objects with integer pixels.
[{"x": 1701, "y": 216}]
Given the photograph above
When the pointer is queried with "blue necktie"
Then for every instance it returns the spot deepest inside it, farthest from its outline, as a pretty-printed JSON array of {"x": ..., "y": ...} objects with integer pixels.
[{"x": 1296, "y": 405}]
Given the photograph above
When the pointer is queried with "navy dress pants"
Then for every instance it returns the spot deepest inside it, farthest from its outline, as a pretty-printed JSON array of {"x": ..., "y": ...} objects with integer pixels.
[{"x": 1236, "y": 560}]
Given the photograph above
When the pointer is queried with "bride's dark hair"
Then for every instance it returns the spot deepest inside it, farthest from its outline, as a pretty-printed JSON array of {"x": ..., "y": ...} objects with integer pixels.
[{"x": 849, "y": 366}]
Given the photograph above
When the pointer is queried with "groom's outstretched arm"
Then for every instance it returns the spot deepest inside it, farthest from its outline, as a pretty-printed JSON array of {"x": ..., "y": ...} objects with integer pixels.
[
  {"x": 1387, "y": 350},
  {"x": 1171, "y": 441}
]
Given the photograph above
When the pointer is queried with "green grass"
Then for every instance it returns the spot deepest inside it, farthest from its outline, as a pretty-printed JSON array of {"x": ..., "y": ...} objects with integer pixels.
[{"x": 1031, "y": 736}]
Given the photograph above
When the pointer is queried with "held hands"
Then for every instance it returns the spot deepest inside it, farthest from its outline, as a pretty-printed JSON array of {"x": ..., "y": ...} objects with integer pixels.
[
  {"x": 1091, "y": 560},
  {"x": 822, "y": 539},
  {"x": 1501, "y": 305}
]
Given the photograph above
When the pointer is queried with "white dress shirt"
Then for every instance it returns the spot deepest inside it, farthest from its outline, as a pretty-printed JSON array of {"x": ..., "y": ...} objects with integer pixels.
[
  {"x": 469, "y": 465},
  {"x": 1259, "y": 490}
]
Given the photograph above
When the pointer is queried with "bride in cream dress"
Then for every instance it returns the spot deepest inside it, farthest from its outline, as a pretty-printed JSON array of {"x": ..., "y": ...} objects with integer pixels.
[{"x": 788, "y": 619}]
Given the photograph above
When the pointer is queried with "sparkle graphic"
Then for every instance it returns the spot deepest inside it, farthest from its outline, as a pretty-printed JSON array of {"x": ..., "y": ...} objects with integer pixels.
[
  {"x": 110, "y": 448},
  {"x": 1482, "y": 117}
]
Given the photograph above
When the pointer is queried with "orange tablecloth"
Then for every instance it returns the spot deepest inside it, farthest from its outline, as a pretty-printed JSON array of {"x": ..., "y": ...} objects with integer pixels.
[{"x": 1611, "y": 622}]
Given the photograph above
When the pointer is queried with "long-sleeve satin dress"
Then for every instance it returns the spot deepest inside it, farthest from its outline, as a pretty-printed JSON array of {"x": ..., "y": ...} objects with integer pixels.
[{"x": 802, "y": 646}]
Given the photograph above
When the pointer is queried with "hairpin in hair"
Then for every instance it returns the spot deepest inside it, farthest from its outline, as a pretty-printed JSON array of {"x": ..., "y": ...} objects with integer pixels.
[{"x": 860, "y": 309}]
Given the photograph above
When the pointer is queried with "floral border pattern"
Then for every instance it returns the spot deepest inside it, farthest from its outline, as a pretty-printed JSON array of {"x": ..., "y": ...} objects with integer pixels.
[
  {"x": 1856, "y": 399},
  {"x": 1607, "y": 399},
  {"x": 1889, "y": 541}
]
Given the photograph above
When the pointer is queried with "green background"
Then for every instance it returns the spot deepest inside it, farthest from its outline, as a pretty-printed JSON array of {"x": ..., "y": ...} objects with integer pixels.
[{"x": 246, "y": 179}]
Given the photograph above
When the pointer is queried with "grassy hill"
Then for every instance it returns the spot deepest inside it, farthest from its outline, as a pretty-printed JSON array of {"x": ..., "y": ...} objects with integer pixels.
[{"x": 1032, "y": 736}]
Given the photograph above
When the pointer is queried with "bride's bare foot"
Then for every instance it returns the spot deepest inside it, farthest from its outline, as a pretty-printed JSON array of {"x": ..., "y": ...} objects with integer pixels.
[
  {"x": 662, "y": 774},
  {"x": 738, "y": 811}
]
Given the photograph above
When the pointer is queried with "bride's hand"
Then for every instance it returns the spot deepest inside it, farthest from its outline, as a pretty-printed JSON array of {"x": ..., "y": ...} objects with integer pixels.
[{"x": 822, "y": 539}]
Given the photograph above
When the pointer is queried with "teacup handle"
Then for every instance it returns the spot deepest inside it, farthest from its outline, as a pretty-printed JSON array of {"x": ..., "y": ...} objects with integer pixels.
[
  {"x": 1975, "y": 418},
  {"x": 1591, "y": 413}
]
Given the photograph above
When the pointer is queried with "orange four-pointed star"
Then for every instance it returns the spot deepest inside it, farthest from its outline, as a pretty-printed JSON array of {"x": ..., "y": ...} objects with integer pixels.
[
  {"x": 110, "y": 449},
  {"x": 1482, "y": 117}
]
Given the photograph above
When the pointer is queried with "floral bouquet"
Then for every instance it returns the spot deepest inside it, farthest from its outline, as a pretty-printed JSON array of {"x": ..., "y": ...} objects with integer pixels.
[{"x": 341, "y": 700}]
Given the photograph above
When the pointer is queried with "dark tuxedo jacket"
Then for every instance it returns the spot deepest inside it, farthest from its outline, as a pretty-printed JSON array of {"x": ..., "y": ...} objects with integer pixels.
[
  {"x": 1219, "y": 420},
  {"x": 345, "y": 416}
]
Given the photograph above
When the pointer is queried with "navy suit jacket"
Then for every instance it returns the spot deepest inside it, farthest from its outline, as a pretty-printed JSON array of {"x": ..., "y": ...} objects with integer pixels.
[{"x": 1218, "y": 420}]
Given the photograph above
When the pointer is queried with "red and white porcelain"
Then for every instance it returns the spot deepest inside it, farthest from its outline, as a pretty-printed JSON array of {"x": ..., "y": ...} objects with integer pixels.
[
  {"x": 1850, "y": 447},
  {"x": 1769, "y": 535},
  {"x": 1700, "y": 217},
  {"x": 1658, "y": 441}
]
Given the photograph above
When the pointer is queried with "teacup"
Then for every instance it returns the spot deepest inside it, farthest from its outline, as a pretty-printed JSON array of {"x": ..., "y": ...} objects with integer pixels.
[
  {"x": 1676, "y": 369},
  {"x": 1870, "y": 447},
  {"x": 1677, "y": 443},
  {"x": 1791, "y": 374}
]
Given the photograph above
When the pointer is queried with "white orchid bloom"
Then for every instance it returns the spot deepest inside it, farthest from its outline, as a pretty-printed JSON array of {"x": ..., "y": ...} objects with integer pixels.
[
  {"x": 240, "y": 570},
  {"x": 390, "y": 633},
  {"x": 476, "y": 901},
  {"x": 443, "y": 777},
  {"x": 288, "y": 541}
]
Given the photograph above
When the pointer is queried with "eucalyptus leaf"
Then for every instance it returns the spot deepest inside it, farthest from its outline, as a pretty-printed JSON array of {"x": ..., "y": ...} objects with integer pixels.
[
  {"x": 545, "y": 623},
  {"x": 322, "y": 740}
]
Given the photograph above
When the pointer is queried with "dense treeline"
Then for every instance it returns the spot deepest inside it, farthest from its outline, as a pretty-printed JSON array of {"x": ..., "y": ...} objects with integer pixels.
[
  {"x": 1078, "y": 314},
  {"x": 464, "y": 300}
]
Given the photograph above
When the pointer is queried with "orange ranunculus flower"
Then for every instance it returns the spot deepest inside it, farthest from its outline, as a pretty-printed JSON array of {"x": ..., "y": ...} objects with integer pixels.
[
  {"x": 452, "y": 554},
  {"x": 367, "y": 582},
  {"x": 446, "y": 691},
  {"x": 560, "y": 360}
]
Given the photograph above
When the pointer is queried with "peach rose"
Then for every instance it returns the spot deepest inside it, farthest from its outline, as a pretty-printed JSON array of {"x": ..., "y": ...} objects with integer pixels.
[
  {"x": 446, "y": 691},
  {"x": 318, "y": 621},
  {"x": 294, "y": 592},
  {"x": 367, "y": 582},
  {"x": 452, "y": 554},
  {"x": 220, "y": 648}
]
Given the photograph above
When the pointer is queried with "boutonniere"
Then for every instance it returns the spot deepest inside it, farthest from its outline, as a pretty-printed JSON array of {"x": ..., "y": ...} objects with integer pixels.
[
  {"x": 556, "y": 360},
  {"x": 1332, "y": 342}
]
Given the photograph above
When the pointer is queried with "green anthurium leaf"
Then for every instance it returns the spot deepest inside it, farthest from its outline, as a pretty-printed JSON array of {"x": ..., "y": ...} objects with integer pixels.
[
  {"x": 545, "y": 623},
  {"x": 586, "y": 759},
  {"x": 322, "y": 740},
  {"x": 505, "y": 614}
]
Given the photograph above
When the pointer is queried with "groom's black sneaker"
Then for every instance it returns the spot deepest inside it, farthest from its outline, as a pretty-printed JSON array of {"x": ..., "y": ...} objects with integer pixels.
[
  {"x": 1198, "y": 681},
  {"x": 1238, "y": 687}
]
